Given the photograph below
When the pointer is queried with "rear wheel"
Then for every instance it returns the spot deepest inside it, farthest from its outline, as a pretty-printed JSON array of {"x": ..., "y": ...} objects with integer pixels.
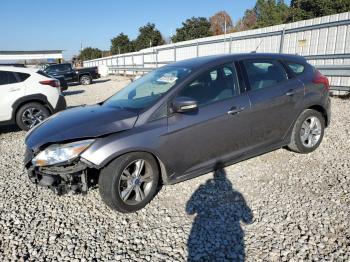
[
  {"x": 308, "y": 132},
  {"x": 31, "y": 114},
  {"x": 129, "y": 182},
  {"x": 85, "y": 80}
]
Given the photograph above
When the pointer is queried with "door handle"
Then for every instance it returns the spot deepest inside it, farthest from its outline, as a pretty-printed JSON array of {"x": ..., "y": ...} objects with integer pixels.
[
  {"x": 13, "y": 89},
  {"x": 291, "y": 92},
  {"x": 235, "y": 110}
]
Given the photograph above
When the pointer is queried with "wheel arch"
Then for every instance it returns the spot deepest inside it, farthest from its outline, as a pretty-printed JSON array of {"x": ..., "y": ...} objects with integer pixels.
[
  {"x": 84, "y": 74},
  {"x": 36, "y": 98},
  {"x": 321, "y": 110},
  {"x": 164, "y": 177}
]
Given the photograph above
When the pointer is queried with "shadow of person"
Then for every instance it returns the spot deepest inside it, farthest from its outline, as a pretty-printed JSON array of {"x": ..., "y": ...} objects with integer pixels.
[{"x": 216, "y": 233}]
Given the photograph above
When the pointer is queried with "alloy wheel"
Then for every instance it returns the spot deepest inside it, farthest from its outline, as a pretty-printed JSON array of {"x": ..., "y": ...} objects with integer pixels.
[
  {"x": 135, "y": 182},
  {"x": 85, "y": 80},
  {"x": 311, "y": 131},
  {"x": 32, "y": 116}
]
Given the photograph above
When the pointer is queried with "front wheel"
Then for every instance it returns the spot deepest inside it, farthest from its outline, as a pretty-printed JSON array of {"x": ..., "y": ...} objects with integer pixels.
[
  {"x": 308, "y": 132},
  {"x": 129, "y": 182}
]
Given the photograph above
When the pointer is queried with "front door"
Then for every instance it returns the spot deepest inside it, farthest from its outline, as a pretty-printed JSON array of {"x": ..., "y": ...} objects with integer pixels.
[{"x": 215, "y": 133}]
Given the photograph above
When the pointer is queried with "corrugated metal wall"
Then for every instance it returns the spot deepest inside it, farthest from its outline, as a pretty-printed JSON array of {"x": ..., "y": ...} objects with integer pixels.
[{"x": 324, "y": 41}]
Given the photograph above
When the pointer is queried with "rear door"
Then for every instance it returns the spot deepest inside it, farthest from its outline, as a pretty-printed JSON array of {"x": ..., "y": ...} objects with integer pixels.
[
  {"x": 11, "y": 89},
  {"x": 218, "y": 131},
  {"x": 275, "y": 97}
]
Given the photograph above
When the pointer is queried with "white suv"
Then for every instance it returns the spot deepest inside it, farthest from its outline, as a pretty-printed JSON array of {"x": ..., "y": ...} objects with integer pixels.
[{"x": 28, "y": 96}]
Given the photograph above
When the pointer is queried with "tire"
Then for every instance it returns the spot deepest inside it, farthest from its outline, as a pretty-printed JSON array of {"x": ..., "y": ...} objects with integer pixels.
[
  {"x": 114, "y": 187},
  {"x": 31, "y": 114},
  {"x": 85, "y": 80},
  {"x": 304, "y": 138}
]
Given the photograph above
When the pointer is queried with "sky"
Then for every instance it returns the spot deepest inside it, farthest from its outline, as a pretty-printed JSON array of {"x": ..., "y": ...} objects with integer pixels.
[{"x": 66, "y": 24}]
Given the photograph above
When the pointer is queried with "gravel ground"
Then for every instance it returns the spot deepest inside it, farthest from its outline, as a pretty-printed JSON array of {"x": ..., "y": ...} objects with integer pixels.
[{"x": 280, "y": 206}]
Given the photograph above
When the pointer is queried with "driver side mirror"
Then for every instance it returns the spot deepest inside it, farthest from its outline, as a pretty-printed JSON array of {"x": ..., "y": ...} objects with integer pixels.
[
  {"x": 184, "y": 104},
  {"x": 132, "y": 94}
]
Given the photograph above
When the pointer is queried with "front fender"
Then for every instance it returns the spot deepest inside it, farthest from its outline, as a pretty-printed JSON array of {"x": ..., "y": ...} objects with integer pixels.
[{"x": 150, "y": 138}]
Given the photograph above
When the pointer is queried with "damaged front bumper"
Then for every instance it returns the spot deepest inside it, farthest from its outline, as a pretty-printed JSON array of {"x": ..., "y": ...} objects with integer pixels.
[{"x": 75, "y": 177}]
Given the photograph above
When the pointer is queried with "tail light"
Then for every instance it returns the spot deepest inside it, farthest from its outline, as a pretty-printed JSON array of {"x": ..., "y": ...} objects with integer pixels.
[
  {"x": 53, "y": 83},
  {"x": 321, "y": 79}
]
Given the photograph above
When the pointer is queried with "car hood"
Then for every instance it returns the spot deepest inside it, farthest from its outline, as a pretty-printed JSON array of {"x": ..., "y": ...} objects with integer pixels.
[{"x": 79, "y": 123}]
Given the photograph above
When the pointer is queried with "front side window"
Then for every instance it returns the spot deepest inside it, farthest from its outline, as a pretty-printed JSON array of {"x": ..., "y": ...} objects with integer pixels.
[
  {"x": 214, "y": 85},
  {"x": 148, "y": 89},
  {"x": 264, "y": 73}
]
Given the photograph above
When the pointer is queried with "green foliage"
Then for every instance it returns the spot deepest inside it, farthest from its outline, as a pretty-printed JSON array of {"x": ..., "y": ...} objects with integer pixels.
[
  {"x": 270, "y": 12},
  {"x": 121, "y": 44},
  {"x": 306, "y": 9},
  {"x": 89, "y": 53},
  {"x": 193, "y": 28},
  {"x": 148, "y": 36}
]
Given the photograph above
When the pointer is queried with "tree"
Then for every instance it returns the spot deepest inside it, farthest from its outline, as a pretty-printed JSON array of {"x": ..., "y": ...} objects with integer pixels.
[
  {"x": 249, "y": 21},
  {"x": 220, "y": 23},
  {"x": 270, "y": 12},
  {"x": 121, "y": 44},
  {"x": 89, "y": 53},
  {"x": 148, "y": 36},
  {"x": 306, "y": 9},
  {"x": 193, "y": 28}
]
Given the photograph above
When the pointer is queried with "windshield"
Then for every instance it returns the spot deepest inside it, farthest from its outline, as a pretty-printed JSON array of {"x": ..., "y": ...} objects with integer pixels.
[{"x": 145, "y": 91}]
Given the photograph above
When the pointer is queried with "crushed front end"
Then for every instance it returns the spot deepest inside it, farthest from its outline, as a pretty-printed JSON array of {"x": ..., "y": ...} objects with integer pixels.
[{"x": 75, "y": 175}]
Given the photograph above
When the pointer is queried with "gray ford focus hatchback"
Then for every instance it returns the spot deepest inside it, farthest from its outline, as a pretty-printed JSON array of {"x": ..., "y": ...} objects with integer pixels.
[{"x": 180, "y": 121}]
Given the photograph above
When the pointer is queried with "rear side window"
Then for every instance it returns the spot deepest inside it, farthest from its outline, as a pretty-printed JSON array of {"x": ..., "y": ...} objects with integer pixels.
[
  {"x": 22, "y": 76},
  {"x": 264, "y": 73},
  {"x": 65, "y": 67},
  {"x": 297, "y": 69},
  {"x": 52, "y": 69},
  {"x": 3, "y": 78},
  {"x": 7, "y": 78}
]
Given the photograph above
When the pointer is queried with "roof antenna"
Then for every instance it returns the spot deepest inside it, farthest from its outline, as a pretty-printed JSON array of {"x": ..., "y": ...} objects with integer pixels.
[{"x": 258, "y": 46}]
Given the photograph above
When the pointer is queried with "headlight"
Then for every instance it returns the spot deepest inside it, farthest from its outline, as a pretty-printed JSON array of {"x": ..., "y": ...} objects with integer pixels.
[{"x": 56, "y": 154}]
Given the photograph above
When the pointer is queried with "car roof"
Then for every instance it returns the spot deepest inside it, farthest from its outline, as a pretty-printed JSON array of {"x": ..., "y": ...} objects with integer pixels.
[
  {"x": 58, "y": 64},
  {"x": 215, "y": 59},
  {"x": 19, "y": 69}
]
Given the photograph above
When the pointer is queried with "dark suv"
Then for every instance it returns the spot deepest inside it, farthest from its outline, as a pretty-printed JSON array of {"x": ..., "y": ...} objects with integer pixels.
[{"x": 178, "y": 122}]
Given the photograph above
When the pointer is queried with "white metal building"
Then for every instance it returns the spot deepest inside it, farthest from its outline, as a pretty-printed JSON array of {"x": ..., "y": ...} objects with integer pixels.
[{"x": 30, "y": 55}]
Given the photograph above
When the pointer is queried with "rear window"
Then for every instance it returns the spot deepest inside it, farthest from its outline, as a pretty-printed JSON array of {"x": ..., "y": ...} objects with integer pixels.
[
  {"x": 40, "y": 72},
  {"x": 296, "y": 68}
]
